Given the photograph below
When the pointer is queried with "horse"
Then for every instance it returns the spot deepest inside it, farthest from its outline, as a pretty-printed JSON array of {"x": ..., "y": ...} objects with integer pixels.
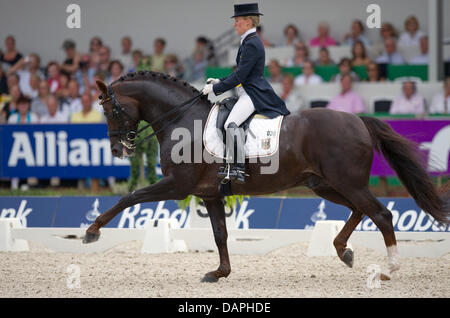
[{"x": 328, "y": 151}]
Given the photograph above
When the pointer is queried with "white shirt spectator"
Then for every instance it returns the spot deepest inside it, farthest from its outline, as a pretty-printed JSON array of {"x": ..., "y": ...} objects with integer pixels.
[
  {"x": 58, "y": 118},
  {"x": 394, "y": 58},
  {"x": 24, "y": 83},
  {"x": 407, "y": 40},
  {"x": 303, "y": 80},
  {"x": 294, "y": 102},
  {"x": 419, "y": 59},
  {"x": 440, "y": 105},
  {"x": 15, "y": 118},
  {"x": 71, "y": 106},
  {"x": 402, "y": 105}
]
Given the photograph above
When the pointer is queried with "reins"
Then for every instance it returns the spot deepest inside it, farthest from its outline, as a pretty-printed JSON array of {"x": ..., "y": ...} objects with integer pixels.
[{"x": 133, "y": 135}]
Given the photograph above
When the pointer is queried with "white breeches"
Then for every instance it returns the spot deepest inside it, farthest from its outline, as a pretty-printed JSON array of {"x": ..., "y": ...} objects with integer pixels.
[{"x": 242, "y": 109}]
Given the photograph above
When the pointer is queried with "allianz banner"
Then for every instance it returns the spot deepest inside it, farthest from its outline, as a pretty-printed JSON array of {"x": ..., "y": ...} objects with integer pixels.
[
  {"x": 64, "y": 150},
  {"x": 253, "y": 213},
  {"x": 83, "y": 150}
]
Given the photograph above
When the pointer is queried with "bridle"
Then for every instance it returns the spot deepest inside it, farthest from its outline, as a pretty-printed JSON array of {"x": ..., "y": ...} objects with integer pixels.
[{"x": 128, "y": 133}]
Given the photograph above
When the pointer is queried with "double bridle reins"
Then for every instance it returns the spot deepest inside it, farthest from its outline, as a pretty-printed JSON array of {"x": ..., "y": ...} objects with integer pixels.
[{"x": 128, "y": 135}]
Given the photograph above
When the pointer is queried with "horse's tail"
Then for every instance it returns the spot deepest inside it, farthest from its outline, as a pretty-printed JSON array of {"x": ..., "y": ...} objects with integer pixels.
[{"x": 402, "y": 156}]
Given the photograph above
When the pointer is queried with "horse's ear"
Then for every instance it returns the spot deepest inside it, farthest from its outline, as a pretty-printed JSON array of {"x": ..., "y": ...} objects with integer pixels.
[{"x": 102, "y": 87}]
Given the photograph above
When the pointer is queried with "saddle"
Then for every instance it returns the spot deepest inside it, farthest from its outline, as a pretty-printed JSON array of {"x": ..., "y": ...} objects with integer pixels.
[{"x": 225, "y": 107}]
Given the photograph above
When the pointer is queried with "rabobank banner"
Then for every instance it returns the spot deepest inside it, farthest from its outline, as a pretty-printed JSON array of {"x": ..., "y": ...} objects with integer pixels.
[
  {"x": 64, "y": 150},
  {"x": 254, "y": 213}
]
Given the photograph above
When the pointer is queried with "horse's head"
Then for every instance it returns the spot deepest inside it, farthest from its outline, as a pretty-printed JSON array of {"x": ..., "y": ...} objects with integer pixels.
[{"x": 122, "y": 117}]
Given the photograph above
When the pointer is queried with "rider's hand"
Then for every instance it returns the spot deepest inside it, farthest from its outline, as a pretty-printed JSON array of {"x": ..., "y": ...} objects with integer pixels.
[
  {"x": 212, "y": 81},
  {"x": 207, "y": 89}
]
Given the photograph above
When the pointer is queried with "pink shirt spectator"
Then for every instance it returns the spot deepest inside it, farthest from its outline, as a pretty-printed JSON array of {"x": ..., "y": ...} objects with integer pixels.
[
  {"x": 402, "y": 105},
  {"x": 329, "y": 41},
  {"x": 349, "y": 102}
]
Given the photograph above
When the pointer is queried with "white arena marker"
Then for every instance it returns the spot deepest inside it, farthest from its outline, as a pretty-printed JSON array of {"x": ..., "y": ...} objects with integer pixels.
[
  {"x": 158, "y": 238},
  {"x": 7, "y": 242},
  {"x": 322, "y": 237}
]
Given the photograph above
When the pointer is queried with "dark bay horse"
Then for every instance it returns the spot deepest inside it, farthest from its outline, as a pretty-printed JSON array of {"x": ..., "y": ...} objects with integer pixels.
[{"x": 328, "y": 151}]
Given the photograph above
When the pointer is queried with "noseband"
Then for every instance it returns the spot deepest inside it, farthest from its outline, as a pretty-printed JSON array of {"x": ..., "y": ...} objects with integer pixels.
[{"x": 129, "y": 134}]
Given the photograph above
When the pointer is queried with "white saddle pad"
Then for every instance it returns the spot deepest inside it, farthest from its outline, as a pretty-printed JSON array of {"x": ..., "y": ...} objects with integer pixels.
[{"x": 262, "y": 138}]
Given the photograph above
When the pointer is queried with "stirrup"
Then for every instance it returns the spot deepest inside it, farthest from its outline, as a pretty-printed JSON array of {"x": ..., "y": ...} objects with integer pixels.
[{"x": 226, "y": 179}]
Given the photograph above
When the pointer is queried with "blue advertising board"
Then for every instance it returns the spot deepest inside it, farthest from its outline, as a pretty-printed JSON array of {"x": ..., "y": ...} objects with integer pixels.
[
  {"x": 65, "y": 151},
  {"x": 263, "y": 213}
]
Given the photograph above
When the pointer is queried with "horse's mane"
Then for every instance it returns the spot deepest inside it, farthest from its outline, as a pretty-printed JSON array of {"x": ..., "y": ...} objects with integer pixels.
[{"x": 150, "y": 75}]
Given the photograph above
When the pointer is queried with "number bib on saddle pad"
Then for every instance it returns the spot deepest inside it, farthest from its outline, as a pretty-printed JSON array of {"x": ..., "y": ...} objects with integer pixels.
[{"x": 262, "y": 136}]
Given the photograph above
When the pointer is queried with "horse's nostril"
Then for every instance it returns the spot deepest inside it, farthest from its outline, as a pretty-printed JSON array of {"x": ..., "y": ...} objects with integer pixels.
[{"x": 114, "y": 151}]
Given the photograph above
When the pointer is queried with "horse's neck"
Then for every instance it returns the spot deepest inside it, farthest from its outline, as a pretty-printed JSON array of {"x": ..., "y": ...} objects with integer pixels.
[{"x": 196, "y": 111}]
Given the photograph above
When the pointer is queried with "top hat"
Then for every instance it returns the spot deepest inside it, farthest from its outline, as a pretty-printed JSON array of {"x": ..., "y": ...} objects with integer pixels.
[{"x": 246, "y": 9}]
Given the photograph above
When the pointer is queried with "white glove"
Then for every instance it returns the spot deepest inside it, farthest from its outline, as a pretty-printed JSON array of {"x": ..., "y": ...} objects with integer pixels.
[
  {"x": 207, "y": 89},
  {"x": 212, "y": 81}
]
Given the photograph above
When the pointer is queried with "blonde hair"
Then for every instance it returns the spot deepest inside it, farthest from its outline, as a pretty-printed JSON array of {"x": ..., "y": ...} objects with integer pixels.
[
  {"x": 254, "y": 18},
  {"x": 412, "y": 19}
]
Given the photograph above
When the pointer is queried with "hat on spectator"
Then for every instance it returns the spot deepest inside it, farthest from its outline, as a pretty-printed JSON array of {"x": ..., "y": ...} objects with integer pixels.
[
  {"x": 68, "y": 44},
  {"x": 246, "y": 9}
]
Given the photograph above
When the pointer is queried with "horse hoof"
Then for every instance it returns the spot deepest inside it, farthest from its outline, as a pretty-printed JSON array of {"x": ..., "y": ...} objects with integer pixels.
[
  {"x": 90, "y": 237},
  {"x": 210, "y": 278},
  {"x": 347, "y": 257}
]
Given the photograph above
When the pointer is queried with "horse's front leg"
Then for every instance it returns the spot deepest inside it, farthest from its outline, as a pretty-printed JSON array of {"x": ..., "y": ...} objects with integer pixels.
[
  {"x": 165, "y": 189},
  {"x": 216, "y": 211}
]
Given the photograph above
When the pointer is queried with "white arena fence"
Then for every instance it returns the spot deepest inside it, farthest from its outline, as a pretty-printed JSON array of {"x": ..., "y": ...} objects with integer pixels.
[{"x": 164, "y": 236}]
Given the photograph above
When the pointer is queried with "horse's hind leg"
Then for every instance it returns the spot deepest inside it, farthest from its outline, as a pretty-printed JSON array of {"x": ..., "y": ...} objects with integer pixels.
[
  {"x": 365, "y": 201},
  {"x": 340, "y": 242}
]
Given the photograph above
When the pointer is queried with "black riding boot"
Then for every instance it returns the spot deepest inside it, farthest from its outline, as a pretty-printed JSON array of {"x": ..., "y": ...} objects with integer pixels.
[{"x": 235, "y": 153}]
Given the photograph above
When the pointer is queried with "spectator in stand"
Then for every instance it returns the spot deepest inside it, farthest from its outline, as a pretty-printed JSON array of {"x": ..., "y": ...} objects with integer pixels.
[
  {"x": 422, "y": 58},
  {"x": 275, "y": 73},
  {"x": 356, "y": 33},
  {"x": 87, "y": 114},
  {"x": 125, "y": 56},
  {"x": 95, "y": 93},
  {"x": 35, "y": 80},
  {"x": 412, "y": 34},
  {"x": 323, "y": 39},
  {"x": 39, "y": 103},
  {"x": 158, "y": 55},
  {"x": 94, "y": 47},
  {"x": 172, "y": 67},
  {"x": 137, "y": 57},
  {"x": 54, "y": 114},
  {"x": 104, "y": 59},
  {"x": 10, "y": 107},
  {"x": 308, "y": 76},
  {"x": 259, "y": 31},
  {"x": 199, "y": 66},
  {"x": 409, "y": 102},
  {"x": 347, "y": 101},
  {"x": 23, "y": 115},
  {"x": 11, "y": 56},
  {"x": 301, "y": 54},
  {"x": 63, "y": 91},
  {"x": 25, "y": 68},
  {"x": 53, "y": 73},
  {"x": 3, "y": 83},
  {"x": 116, "y": 71},
  {"x": 324, "y": 58},
  {"x": 72, "y": 104},
  {"x": 373, "y": 73},
  {"x": 440, "y": 103},
  {"x": 291, "y": 35},
  {"x": 204, "y": 44},
  {"x": 387, "y": 31},
  {"x": 73, "y": 59},
  {"x": 294, "y": 102},
  {"x": 390, "y": 55},
  {"x": 359, "y": 55},
  {"x": 345, "y": 68},
  {"x": 12, "y": 79}
]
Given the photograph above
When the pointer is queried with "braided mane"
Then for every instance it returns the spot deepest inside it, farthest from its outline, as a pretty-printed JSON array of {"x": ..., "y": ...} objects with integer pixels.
[{"x": 150, "y": 75}]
